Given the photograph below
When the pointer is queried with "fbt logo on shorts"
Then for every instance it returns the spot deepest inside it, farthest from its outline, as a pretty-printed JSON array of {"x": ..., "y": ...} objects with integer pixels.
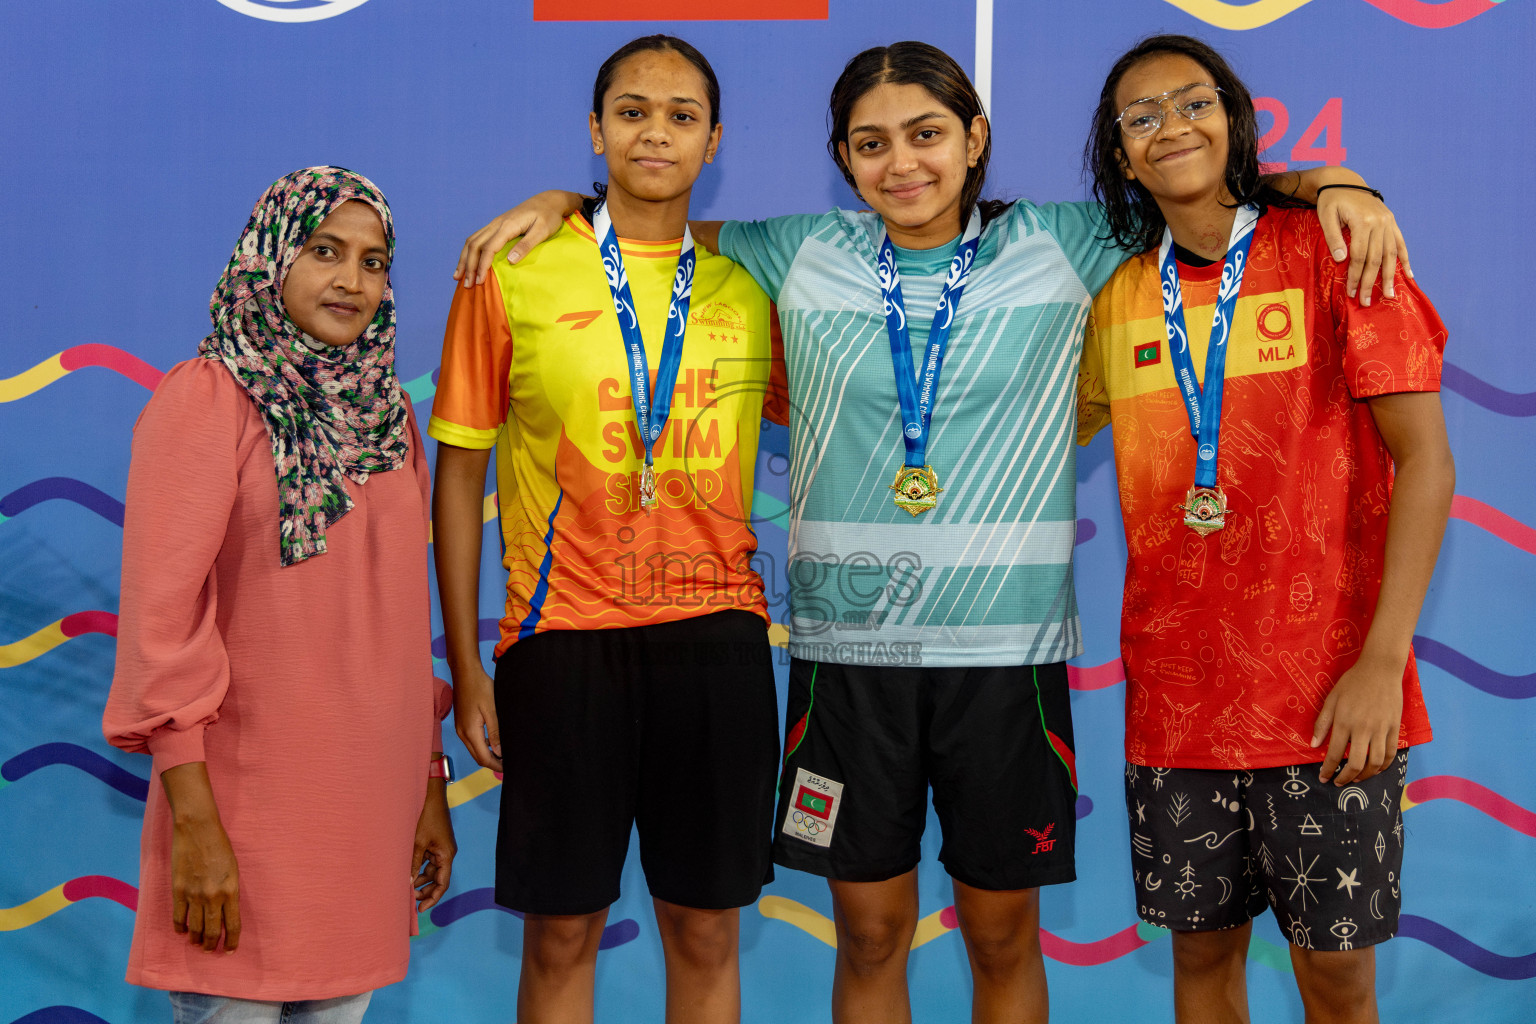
[
  {"x": 292, "y": 10},
  {"x": 813, "y": 808}
]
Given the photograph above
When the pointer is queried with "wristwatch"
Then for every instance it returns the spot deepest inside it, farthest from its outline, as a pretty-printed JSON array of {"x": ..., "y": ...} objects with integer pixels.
[{"x": 441, "y": 767}]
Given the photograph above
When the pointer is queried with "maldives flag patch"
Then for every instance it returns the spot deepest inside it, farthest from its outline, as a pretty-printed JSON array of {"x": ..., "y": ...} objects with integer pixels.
[
  {"x": 812, "y": 814},
  {"x": 1149, "y": 354}
]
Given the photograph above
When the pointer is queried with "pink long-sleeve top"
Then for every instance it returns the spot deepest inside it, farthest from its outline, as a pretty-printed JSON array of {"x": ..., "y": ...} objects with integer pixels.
[{"x": 308, "y": 691}]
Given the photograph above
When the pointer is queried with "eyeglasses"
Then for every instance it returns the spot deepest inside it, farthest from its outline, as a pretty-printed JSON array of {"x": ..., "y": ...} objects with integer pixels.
[{"x": 1145, "y": 116}]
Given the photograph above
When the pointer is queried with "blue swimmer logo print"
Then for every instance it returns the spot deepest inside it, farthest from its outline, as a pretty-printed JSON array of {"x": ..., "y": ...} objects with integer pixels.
[
  {"x": 1207, "y": 451},
  {"x": 292, "y": 11},
  {"x": 913, "y": 431}
]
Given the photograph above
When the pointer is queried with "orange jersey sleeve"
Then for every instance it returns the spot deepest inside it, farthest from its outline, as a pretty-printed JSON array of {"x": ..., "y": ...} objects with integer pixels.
[{"x": 473, "y": 381}]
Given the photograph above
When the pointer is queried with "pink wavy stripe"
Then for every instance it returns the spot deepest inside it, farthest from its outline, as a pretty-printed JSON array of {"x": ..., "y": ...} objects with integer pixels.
[
  {"x": 109, "y": 357},
  {"x": 1453, "y": 787},
  {"x": 1090, "y": 954},
  {"x": 1426, "y": 15},
  {"x": 1078, "y": 954},
  {"x": 1096, "y": 677},
  {"x": 1505, "y": 527},
  {"x": 103, "y": 886},
  {"x": 88, "y": 622}
]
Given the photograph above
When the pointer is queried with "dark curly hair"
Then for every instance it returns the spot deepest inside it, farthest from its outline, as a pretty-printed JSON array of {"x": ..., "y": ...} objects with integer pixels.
[
  {"x": 1135, "y": 222},
  {"x": 911, "y": 63}
]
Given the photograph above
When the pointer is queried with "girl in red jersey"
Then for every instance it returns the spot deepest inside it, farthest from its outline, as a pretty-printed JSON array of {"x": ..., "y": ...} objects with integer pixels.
[{"x": 1283, "y": 509}]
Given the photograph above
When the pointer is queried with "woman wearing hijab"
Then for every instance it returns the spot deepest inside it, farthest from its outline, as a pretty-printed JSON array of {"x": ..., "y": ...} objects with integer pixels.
[{"x": 273, "y": 650}]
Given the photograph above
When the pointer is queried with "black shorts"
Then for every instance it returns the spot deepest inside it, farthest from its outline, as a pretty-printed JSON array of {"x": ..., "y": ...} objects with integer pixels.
[
  {"x": 672, "y": 728},
  {"x": 863, "y": 745},
  {"x": 1210, "y": 848}
]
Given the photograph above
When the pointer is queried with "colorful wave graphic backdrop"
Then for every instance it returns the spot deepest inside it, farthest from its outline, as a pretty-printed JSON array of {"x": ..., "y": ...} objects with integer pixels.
[{"x": 1242, "y": 17}]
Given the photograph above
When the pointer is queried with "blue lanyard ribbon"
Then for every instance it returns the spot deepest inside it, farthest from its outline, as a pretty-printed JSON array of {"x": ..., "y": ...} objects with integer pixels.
[
  {"x": 650, "y": 415},
  {"x": 1203, "y": 404},
  {"x": 915, "y": 394}
]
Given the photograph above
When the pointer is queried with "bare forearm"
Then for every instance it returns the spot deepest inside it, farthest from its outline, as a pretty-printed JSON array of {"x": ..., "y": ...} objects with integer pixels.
[
  {"x": 1421, "y": 502},
  {"x": 190, "y": 794},
  {"x": 458, "y": 498}
]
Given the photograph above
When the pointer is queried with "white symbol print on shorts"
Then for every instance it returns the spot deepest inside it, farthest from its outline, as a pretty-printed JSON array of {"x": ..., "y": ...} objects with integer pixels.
[
  {"x": 1349, "y": 882},
  {"x": 1344, "y": 929},
  {"x": 1310, "y": 827},
  {"x": 1353, "y": 795},
  {"x": 1300, "y": 936},
  {"x": 1141, "y": 844},
  {"x": 1294, "y": 786},
  {"x": 1179, "y": 812},
  {"x": 1381, "y": 847},
  {"x": 1301, "y": 877},
  {"x": 813, "y": 808},
  {"x": 1187, "y": 884}
]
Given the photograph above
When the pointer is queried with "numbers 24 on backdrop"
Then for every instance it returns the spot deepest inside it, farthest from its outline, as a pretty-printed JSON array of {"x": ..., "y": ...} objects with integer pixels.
[{"x": 1321, "y": 142}]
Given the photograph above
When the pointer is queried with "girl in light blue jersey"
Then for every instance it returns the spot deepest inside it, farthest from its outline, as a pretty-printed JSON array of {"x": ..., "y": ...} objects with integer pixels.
[{"x": 932, "y": 347}]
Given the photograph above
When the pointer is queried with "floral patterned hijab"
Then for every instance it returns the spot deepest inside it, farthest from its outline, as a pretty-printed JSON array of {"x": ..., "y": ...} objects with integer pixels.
[{"x": 332, "y": 414}]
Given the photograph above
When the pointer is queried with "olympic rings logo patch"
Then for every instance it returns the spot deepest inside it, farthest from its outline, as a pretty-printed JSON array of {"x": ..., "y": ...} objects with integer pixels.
[{"x": 809, "y": 824}]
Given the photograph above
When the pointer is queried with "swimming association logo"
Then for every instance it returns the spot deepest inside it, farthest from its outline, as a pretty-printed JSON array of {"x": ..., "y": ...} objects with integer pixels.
[{"x": 292, "y": 10}]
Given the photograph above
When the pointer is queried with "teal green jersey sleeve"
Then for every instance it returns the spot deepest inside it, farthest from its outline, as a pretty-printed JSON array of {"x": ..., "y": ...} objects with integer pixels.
[
  {"x": 1081, "y": 229},
  {"x": 767, "y": 248}
]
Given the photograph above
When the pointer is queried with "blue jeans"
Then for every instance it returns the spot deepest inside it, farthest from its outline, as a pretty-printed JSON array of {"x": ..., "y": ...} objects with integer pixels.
[{"x": 195, "y": 1008}]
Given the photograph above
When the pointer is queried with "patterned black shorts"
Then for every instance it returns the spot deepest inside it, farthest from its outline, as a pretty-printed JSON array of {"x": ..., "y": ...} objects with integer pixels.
[{"x": 1210, "y": 847}]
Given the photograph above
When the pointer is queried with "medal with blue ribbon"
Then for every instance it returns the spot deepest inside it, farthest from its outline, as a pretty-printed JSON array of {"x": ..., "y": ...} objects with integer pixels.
[
  {"x": 1205, "y": 507},
  {"x": 650, "y": 414},
  {"x": 917, "y": 486}
]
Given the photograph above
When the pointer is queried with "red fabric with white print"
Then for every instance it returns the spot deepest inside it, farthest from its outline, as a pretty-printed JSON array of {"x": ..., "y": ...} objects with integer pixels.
[{"x": 1231, "y": 642}]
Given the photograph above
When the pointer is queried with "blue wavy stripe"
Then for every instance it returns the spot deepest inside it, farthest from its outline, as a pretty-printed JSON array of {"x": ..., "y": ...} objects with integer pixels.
[
  {"x": 60, "y": 1015},
  {"x": 1470, "y": 672},
  {"x": 1495, "y": 965},
  {"x": 76, "y": 756},
  {"x": 1480, "y": 392},
  {"x": 62, "y": 488}
]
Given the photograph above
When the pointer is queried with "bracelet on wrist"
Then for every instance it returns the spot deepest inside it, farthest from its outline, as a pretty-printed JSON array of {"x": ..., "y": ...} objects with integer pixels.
[{"x": 1358, "y": 188}]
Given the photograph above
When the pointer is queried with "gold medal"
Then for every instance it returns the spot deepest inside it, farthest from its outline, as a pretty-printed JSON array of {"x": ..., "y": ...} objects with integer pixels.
[
  {"x": 647, "y": 489},
  {"x": 1205, "y": 509},
  {"x": 917, "y": 489}
]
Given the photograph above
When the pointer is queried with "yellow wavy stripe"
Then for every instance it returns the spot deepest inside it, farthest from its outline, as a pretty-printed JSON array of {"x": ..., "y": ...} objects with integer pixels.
[
  {"x": 476, "y": 783},
  {"x": 778, "y": 634},
  {"x": 1238, "y": 17},
  {"x": 23, "y": 651},
  {"x": 819, "y": 926},
  {"x": 1405, "y": 803},
  {"x": 35, "y": 379},
  {"x": 929, "y": 928},
  {"x": 34, "y": 910},
  {"x": 801, "y": 916},
  {"x": 487, "y": 513}
]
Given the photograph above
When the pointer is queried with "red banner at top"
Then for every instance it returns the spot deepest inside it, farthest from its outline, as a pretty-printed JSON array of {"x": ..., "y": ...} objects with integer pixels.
[{"x": 680, "y": 10}]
